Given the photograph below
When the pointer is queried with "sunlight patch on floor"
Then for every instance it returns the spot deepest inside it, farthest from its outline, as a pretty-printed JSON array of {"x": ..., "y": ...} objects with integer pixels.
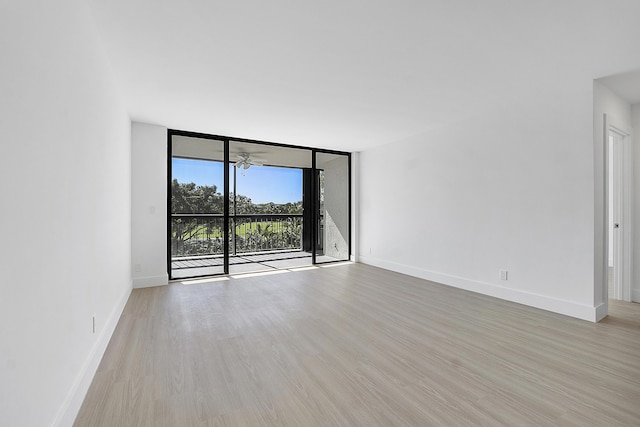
[
  {"x": 207, "y": 280},
  {"x": 258, "y": 274}
]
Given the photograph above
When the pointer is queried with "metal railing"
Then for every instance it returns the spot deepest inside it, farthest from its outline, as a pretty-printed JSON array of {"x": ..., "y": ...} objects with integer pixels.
[{"x": 202, "y": 234}]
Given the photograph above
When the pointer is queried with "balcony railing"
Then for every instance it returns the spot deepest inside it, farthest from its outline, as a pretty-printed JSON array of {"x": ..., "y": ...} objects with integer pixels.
[{"x": 202, "y": 234}]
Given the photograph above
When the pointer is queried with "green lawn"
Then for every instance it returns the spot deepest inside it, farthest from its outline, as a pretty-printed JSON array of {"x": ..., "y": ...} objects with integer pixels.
[{"x": 241, "y": 230}]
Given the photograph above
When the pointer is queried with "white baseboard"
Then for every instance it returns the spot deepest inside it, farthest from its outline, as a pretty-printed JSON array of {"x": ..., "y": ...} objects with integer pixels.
[
  {"x": 71, "y": 406},
  {"x": 148, "y": 282},
  {"x": 635, "y": 295},
  {"x": 601, "y": 312},
  {"x": 567, "y": 308}
]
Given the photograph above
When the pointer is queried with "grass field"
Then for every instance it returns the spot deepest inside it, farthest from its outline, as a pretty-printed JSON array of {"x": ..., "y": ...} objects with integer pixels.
[{"x": 276, "y": 227}]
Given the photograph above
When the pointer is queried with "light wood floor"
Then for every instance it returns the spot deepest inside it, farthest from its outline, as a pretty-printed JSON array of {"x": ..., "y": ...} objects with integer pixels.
[{"x": 356, "y": 345}]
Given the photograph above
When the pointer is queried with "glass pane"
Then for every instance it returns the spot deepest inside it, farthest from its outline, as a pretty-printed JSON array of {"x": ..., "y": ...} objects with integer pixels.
[
  {"x": 267, "y": 206},
  {"x": 332, "y": 240},
  {"x": 197, "y": 207}
]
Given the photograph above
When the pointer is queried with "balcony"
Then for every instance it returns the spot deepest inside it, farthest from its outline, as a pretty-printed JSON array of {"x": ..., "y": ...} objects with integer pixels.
[
  {"x": 257, "y": 242},
  {"x": 284, "y": 206}
]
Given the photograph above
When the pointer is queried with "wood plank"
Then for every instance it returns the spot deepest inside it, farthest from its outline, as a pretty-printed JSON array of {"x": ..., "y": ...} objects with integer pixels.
[{"x": 358, "y": 345}]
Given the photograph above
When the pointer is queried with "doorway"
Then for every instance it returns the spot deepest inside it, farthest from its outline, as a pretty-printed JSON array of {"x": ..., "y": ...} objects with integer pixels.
[{"x": 618, "y": 212}]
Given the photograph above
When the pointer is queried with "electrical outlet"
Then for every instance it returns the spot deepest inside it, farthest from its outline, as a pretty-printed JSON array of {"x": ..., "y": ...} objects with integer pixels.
[
  {"x": 504, "y": 274},
  {"x": 93, "y": 324},
  {"x": 137, "y": 268}
]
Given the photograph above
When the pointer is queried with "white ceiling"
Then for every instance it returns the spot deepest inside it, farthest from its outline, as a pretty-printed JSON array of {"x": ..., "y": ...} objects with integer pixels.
[{"x": 348, "y": 74}]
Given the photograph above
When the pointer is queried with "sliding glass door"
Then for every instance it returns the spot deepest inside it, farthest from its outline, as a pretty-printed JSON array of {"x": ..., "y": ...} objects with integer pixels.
[
  {"x": 196, "y": 207},
  {"x": 333, "y": 208},
  {"x": 239, "y": 206},
  {"x": 266, "y": 210}
]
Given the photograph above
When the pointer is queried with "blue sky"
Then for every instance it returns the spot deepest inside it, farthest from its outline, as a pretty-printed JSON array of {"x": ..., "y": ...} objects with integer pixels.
[{"x": 261, "y": 183}]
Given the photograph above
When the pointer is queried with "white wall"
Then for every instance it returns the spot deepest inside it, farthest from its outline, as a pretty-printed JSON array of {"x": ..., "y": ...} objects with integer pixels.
[
  {"x": 635, "y": 123},
  {"x": 149, "y": 205},
  {"x": 510, "y": 188},
  {"x": 65, "y": 216}
]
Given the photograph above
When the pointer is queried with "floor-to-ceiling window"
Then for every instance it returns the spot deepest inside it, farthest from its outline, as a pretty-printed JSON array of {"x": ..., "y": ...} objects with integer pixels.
[
  {"x": 267, "y": 206},
  {"x": 196, "y": 220},
  {"x": 333, "y": 207},
  {"x": 241, "y": 206}
]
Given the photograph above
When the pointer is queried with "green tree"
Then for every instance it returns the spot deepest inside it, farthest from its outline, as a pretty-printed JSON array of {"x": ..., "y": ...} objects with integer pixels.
[
  {"x": 192, "y": 198},
  {"x": 192, "y": 236},
  {"x": 244, "y": 205},
  {"x": 195, "y": 235}
]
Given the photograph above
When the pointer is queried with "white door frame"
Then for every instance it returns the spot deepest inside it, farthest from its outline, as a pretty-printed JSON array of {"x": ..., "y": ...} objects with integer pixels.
[{"x": 623, "y": 265}]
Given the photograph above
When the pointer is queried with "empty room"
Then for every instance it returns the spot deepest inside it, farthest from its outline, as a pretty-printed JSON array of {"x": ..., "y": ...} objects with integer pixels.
[{"x": 320, "y": 213}]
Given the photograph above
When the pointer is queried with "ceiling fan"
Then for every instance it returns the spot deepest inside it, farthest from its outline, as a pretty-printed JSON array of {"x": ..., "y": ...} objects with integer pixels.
[{"x": 245, "y": 161}]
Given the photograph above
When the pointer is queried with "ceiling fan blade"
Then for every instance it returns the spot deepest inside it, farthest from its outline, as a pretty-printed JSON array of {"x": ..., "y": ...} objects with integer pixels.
[
  {"x": 239, "y": 163},
  {"x": 246, "y": 165}
]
